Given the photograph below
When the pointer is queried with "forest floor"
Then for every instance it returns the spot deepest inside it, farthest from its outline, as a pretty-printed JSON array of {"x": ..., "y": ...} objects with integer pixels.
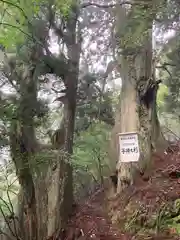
[{"x": 91, "y": 221}]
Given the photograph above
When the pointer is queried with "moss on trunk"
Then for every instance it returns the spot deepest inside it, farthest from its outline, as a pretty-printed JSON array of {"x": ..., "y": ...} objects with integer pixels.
[{"x": 137, "y": 107}]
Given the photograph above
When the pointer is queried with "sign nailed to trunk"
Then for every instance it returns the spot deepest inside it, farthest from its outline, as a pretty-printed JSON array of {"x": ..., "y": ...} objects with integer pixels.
[{"x": 128, "y": 147}]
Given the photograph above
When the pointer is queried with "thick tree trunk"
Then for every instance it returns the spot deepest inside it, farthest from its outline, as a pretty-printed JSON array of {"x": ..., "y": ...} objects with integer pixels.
[
  {"x": 47, "y": 191},
  {"x": 41, "y": 190},
  {"x": 63, "y": 172},
  {"x": 129, "y": 120},
  {"x": 71, "y": 82},
  {"x": 134, "y": 117},
  {"x": 23, "y": 147},
  {"x": 137, "y": 108}
]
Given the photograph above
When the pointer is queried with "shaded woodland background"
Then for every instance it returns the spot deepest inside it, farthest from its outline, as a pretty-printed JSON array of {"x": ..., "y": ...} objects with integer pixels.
[{"x": 74, "y": 74}]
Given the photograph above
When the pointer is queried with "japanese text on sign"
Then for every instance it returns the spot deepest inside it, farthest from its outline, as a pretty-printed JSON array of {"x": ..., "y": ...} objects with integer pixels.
[{"x": 128, "y": 147}]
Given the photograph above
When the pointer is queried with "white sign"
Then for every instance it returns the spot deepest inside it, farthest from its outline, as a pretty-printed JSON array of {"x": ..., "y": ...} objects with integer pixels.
[{"x": 128, "y": 147}]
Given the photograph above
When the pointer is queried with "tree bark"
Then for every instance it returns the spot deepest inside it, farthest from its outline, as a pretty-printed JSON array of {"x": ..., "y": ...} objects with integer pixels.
[
  {"x": 158, "y": 140},
  {"x": 137, "y": 107},
  {"x": 47, "y": 190},
  {"x": 71, "y": 83},
  {"x": 62, "y": 206},
  {"x": 23, "y": 147}
]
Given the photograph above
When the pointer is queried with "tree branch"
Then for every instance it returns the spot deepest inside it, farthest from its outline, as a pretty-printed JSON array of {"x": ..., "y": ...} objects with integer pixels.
[
  {"x": 18, "y": 7},
  {"x": 5, "y": 218},
  {"x": 23, "y": 13},
  {"x": 58, "y": 66},
  {"x": 16, "y": 27},
  {"x": 58, "y": 29},
  {"x": 164, "y": 67},
  {"x": 25, "y": 33}
]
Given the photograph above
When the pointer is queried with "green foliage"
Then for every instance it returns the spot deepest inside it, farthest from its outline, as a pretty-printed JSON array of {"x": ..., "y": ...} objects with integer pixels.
[
  {"x": 16, "y": 19},
  {"x": 90, "y": 158},
  {"x": 91, "y": 147},
  {"x": 171, "y": 75},
  {"x": 64, "y": 7},
  {"x": 168, "y": 217},
  {"x": 9, "y": 188},
  {"x": 169, "y": 91},
  {"x": 162, "y": 93},
  {"x": 135, "y": 31},
  {"x": 174, "y": 221},
  {"x": 94, "y": 105},
  {"x": 7, "y": 111}
]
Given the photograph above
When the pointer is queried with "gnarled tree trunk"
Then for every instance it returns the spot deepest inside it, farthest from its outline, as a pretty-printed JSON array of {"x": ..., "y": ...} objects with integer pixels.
[
  {"x": 47, "y": 191},
  {"x": 137, "y": 106}
]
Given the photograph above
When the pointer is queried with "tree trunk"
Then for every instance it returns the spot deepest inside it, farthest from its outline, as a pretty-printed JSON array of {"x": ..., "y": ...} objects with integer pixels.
[
  {"x": 128, "y": 118},
  {"x": 47, "y": 191},
  {"x": 134, "y": 117},
  {"x": 158, "y": 140},
  {"x": 23, "y": 147},
  {"x": 137, "y": 107},
  {"x": 71, "y": 82},
  {"x": 63, "y": 172}
]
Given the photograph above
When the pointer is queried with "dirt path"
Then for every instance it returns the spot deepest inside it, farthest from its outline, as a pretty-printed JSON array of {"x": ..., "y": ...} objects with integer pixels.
[{"x": 91, "y": 222}]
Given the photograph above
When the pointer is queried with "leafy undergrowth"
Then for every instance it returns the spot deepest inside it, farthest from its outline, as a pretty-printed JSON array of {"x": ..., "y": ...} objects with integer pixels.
[{"x": 150, "y": 209}]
